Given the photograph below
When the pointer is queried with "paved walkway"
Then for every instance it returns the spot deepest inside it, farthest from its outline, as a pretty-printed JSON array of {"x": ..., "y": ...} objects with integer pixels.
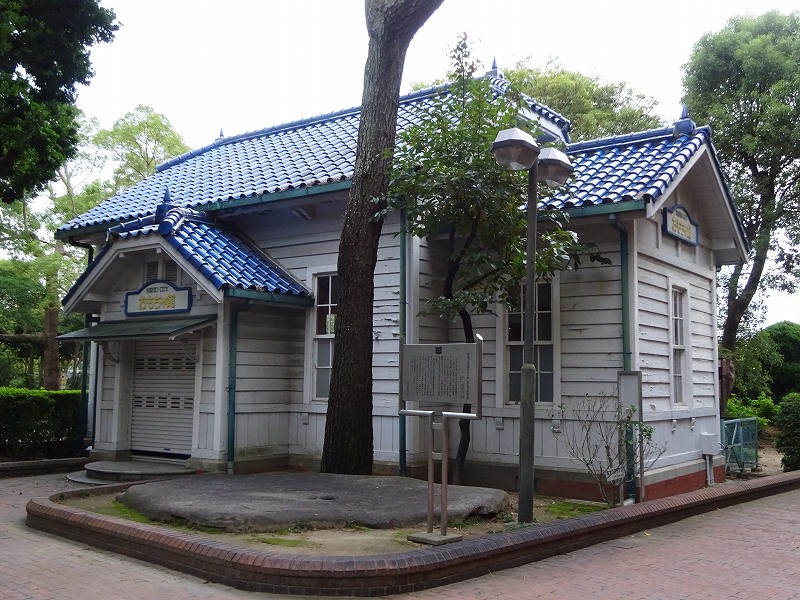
[{"x": 748, "y": 551}]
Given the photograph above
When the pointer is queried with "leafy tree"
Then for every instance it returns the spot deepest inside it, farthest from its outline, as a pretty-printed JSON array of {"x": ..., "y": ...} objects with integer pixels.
[
  {"x": 44, "y": 53},
  {"x": 448, "y": 183},
  {"x": 755, "y": 358},
  {"x": 391, "y": 24},
  {"x": 785, "y": 372},
  {"x": 145, "y": 138},
  {"x": 595, "y": 109},
  {"x": 22, "y": 298},
  {"x": 743, "y": 80},
  {"x": 137, "y": 144}
]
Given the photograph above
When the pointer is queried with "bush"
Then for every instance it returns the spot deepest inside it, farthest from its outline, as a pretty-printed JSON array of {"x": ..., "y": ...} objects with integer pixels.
[
  {"x": 763, "y": 408},
  {"x": 788, "y": 438},
  {"x": 38, "y": 423}
]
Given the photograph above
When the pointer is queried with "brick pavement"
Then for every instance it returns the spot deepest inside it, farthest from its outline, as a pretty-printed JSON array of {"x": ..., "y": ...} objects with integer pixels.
[
  {"x": 749, "y": 550},
  {"x": 39, "y": 566}
]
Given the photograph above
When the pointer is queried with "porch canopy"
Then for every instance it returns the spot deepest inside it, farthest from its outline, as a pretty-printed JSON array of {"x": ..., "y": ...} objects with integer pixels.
[{"x": 140, "y": 328}]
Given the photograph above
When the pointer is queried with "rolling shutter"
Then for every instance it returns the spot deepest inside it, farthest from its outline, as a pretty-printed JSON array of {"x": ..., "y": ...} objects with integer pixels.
[{"x": 163, "y": 397}]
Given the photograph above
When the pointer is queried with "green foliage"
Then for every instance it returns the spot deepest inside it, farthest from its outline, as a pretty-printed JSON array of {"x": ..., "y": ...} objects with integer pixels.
[
  {"x": 785, "y": 372},
  {"x": 38, "y": 423},
  {"x": 138, "y": 142},
  {"x": 754, "y": 357},
  {"x": 595, "y": 109},
  {"x": 21, "y": 297},
  {"x": 762, "y": 407},
  {"x": 788, "y": 439},
  {"x": 44, "y": 53},
  {"x": 448, "y": 184},
  {"x": 743, "y": 81}
]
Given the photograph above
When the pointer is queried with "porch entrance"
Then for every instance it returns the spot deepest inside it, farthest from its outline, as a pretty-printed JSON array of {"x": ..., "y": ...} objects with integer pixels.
[{"x": 163, "y": 396}]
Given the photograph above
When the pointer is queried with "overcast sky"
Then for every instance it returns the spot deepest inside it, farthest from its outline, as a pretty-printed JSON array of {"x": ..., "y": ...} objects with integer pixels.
[{"x": 243, "y": 65}]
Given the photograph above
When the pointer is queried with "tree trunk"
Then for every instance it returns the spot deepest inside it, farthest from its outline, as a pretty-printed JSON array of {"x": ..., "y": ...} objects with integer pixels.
[
  {"x": 463, "y": 424},
  {"x": 738, "y": 301},
  {"x": 391, "y": 25},
  {"x": 50, "y": 370}
]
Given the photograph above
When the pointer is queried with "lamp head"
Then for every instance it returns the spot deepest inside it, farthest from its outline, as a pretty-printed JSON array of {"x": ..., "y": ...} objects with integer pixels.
[
  {"x": 554, "y": 167},
  {"x": 515, "y": 149}
]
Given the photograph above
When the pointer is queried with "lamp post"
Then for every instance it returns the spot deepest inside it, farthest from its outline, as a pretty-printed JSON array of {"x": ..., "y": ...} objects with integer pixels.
[{"x": 517, "y": 150}]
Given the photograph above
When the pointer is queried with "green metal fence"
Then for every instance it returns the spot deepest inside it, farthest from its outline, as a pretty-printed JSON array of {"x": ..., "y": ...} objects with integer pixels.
[{"x": 740, "y": 444}]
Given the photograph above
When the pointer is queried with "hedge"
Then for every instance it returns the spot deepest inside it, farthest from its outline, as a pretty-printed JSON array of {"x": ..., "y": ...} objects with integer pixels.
[{"x": 39, "y": 423}]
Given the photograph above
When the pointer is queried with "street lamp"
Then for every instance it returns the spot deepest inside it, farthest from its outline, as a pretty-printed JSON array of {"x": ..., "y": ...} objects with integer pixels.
[{"x": 517, "y": 150}]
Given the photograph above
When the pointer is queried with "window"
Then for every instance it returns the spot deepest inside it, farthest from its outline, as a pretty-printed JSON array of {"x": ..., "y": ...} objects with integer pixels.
[
  {"x": 679, "y": 333},
  {"x": 543, "y": 343},
  {"x": 327, "y": 297}
]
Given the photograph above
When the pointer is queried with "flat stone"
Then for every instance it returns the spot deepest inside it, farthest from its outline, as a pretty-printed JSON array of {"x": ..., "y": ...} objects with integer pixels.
[
  {"x": 434, "y": 538},
  {"x": 269, "y": 501}
]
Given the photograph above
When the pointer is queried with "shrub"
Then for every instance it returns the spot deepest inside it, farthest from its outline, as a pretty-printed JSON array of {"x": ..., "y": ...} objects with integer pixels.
[
  {"x": 38, "y": 423},
  {"x": 788, "y": 438},
  {"x": 763, "y": 408}
]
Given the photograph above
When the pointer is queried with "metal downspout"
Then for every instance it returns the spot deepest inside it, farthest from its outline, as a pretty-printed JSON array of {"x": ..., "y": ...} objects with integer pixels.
[
  {"x": 83, "y": 412},
  {"x": 233, "y": 341},
  {"x": 625, "y": 283},
  {"x": 630, "y": 456},
  {"x": 402, "y": 328}
]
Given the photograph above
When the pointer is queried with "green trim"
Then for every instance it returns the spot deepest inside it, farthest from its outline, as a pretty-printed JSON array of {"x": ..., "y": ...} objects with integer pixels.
[
  {"x": 324, "y": 188},
  {"x": 271, "y": 297},
  {"x": 92, "y": 229},
  {"x": 605, "y": 209}
]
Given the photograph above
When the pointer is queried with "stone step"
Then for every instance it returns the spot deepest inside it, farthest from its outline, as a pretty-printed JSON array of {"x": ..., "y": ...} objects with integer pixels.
[{"x": 107, "y": 471}]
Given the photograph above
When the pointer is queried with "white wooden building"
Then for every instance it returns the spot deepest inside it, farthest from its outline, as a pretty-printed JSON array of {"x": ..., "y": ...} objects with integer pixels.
[{"x": 220, "y": 298}]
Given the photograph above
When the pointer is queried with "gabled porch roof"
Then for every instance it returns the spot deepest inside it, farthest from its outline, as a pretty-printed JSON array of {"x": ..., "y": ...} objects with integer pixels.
[{"x": 217, "y": 255}]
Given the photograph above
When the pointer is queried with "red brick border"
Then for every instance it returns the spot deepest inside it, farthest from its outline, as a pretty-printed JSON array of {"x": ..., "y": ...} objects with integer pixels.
[{"x": 277, "y": 572}]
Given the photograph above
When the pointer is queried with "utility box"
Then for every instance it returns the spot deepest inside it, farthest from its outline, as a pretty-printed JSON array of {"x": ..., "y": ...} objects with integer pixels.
[{"x": 709, "y": 443}]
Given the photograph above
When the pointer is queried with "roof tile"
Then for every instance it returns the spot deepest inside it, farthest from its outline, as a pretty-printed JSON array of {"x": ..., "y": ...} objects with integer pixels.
[{"x": 294, "y": 155}]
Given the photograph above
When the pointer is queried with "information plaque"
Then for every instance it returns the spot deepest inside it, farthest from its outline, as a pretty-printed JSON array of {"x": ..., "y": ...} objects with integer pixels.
[{"x": 441, "y": 374}]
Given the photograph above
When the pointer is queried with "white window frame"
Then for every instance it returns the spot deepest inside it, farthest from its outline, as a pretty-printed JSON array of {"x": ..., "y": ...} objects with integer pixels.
[
  {"x": 313, "y": 339},
  {"x": 680, "y": 350},
  {"x": 503, "y": 383}
]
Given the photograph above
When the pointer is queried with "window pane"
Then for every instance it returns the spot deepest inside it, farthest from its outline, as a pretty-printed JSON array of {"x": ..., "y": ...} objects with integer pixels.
[
  {"x": 544, "y": 297},
  {"x": 323, "y": 290},
  {"x": 514, "y": 327},
  {"x": 323, "y": 312},
  {"x": 334, "y": 289},
  {"x": 545, "y": 358},
  {"x": 545, "y": 387},
  {"x": 323, "y": 383},
  {"x": 324, "y": 353},
  {"x": 515, "y": 355},
  {"x": 513, "y": 387},
  {"x": 544, "y": 326}
]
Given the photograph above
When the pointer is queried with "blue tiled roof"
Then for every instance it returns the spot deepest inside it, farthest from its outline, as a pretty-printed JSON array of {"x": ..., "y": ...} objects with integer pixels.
[
  {"x": 218, "y": 254},
  {"x": 637, "y": 166},
  {"x": 292, "y": 156}
]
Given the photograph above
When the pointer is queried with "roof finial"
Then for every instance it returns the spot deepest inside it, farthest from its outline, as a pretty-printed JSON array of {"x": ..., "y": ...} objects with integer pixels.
[
  {"x": 494, "y": 71},
  {"x": 221, "y": 135},
  {"x": 684, "y": 125},
  {"x": 163, "y": 208}
]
